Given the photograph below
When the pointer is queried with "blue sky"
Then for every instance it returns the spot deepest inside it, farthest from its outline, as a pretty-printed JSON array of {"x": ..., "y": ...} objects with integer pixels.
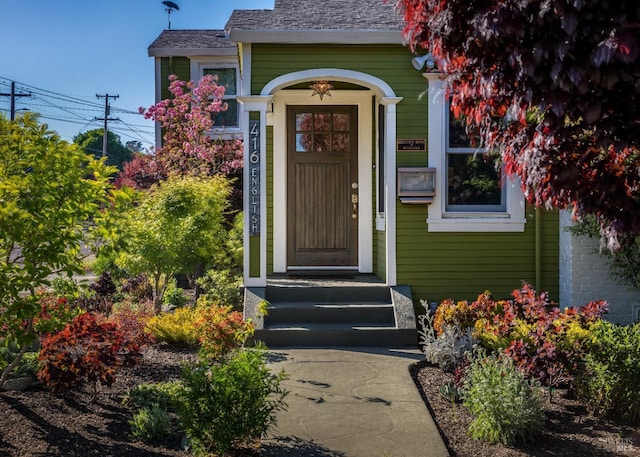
[{"x": 67, "y": 51}]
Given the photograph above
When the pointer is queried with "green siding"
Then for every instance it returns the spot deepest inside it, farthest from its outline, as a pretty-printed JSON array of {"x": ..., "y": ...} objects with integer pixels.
[
  {"x": 436, "y": 265},
  {"x": 179, "y": 66},
  {"x": 463, "y": 265},
  {"x": 254, "y": 258}
]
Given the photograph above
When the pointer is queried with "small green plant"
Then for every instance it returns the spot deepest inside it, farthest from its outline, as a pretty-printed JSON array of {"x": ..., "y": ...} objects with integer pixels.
[
  {"x": 506, "y": 407},
  {"x": 174, "y": 296},
  {"x": 450, "y": 392},
  {"x": 26, "y": 366},
  {"x": 164, "y": 394},
  {"x": 222, "y": 287},
  {"x": 151, "y": 424},
  {"x": 230, "y": 404},
  {"x": 610, "y": 381}
]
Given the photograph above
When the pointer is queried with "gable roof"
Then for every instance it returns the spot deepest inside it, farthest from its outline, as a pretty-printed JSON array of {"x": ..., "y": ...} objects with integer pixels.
[
  {"x": 192, "y": 43},
  {"x": 314, "y": 21}
]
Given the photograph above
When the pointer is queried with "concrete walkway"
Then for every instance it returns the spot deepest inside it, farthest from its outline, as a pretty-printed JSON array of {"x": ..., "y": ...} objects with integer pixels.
[{"x": 351, "y": 402}]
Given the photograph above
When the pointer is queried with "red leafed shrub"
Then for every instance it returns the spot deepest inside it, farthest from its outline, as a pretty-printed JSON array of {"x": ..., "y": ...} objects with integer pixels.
[
  {"x": 87, "y": 350},
  {"x": 544, "y": 342},
  {"x": 131, "y": 319},
  {"x": 221, "y": 330}
]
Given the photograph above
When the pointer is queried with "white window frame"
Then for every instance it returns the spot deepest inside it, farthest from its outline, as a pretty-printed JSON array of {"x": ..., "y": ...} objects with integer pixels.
[
  {"x": 512, "y": 219},
  {"x": 467, "y": 151},
  {"x": 198, "y": 67}
]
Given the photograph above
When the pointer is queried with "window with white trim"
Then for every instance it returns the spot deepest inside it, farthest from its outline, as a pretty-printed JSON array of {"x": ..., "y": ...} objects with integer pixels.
[
  {"x": 227, "y": 77},
  {"x": 472, "y": 195},
  {"x": 474, "y": 182}
]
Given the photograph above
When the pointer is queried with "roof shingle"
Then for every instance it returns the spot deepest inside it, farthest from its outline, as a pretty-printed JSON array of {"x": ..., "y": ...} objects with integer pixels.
[{"x": 375, "y": 15}]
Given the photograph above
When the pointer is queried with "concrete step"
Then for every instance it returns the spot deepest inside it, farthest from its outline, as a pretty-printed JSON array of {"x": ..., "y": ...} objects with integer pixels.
[
  {"x": 312, "y": 336},
  {"x": 303, "y": 315},
  {"x": 311, "y": 312},
  {"x": 339, "y": 294}
]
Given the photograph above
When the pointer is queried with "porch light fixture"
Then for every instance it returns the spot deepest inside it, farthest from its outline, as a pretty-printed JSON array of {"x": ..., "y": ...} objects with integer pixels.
[
  {"x": 421, "y": 61},
  {"x": 321, "y": 88}
]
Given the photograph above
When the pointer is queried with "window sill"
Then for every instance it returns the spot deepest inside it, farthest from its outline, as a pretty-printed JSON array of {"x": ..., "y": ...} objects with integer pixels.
[
  {"x": 381, "y": 225},
  {"x": 475, "y": 222}
]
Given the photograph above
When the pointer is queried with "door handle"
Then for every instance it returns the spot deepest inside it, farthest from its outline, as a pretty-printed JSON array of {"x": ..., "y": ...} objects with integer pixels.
[{"x": 354, "y": 201}]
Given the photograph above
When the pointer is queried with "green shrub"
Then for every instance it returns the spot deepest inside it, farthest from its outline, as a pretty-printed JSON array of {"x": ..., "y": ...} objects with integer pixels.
[
  {"x": 27, "y": 365},
  {"x": 174, "y": 296},
  {"x": 176, "y": 327},
  {"x": 151, "y": 424},
  {"x": 229, "y": 404},
  {"x": 506, "y": 407},
  {"x": 164, "y": 394},
  {"x": 610, "y": 382},
  {"x": 221, "y": 287}
]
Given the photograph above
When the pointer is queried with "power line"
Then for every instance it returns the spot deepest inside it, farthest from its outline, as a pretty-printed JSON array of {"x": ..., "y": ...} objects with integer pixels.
[
  {"x": 106, "y": 119},
  {"x": 75, "y": 110},
  {"x": 13, "y": 96}
]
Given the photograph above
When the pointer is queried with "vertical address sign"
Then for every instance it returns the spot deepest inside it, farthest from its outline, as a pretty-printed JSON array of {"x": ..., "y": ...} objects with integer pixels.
[{"x": 254, "y": 178}]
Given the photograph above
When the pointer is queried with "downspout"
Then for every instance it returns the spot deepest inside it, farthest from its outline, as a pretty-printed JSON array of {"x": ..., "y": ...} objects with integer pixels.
[{"x": 538, "y": 249}]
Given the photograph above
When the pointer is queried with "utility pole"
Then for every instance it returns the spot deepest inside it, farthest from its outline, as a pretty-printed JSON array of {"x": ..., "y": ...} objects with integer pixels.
[
  {"x": 13, "y": 96},
  {"x": 106, "y": 119}
]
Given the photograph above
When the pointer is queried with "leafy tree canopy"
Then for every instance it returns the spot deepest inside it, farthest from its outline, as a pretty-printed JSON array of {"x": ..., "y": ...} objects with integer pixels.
[
  {"x": 91, "y": 143},
  {"x": 50, "y": 192},
  {"x": 554, "y": 86},
  {"x": 177, "y": 224}
]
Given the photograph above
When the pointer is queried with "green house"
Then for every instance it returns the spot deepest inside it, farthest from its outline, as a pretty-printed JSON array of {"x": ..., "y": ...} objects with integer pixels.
[{"x": 353, "y": 166}]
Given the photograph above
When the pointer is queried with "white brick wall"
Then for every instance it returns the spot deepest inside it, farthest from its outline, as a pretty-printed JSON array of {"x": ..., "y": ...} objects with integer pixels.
[{"x": 584, "y": 276}]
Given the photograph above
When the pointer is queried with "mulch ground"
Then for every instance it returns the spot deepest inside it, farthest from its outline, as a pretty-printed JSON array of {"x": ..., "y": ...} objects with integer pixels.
[
  {"x": 569, "y": 430},
  {"x": 73, "y": 423}
]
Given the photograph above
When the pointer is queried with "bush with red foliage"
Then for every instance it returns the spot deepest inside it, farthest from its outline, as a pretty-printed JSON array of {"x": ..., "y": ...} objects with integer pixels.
[
  {"x": 88, "y": 350},
  {"x": 545, "y": 342},
  {"x": 131, "y": 319},
  {"x": 553, "y": 86}
]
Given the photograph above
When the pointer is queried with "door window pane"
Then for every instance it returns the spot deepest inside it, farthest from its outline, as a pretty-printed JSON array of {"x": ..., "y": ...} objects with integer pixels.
[
  {"x": 304, "y": 122},
  {"x": 322, "y": 122},
  {"x": 341, "y": 122},
  {"x": 321, "y": 142},
  {"x": 340, "y": 142},
  {"x": 303, "y": 142}
]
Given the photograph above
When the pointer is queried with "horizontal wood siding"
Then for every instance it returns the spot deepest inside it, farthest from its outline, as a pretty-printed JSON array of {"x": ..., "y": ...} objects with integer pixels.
[
  {"x": 436, "y": 265},
  {"x": 463, "y": 265},
  {"x": 179, "y": 66}
]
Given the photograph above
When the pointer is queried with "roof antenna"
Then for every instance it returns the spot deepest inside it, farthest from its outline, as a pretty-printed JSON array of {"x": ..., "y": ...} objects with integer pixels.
[{"x": 170, "y": 7}]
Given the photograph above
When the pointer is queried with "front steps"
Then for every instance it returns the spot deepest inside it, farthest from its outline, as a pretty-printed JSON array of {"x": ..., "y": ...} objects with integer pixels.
[{"x": 317, "y": 313}]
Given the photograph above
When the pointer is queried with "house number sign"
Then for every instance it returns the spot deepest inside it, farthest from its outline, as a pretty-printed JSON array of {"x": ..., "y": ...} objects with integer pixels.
[{"x": 254, "y": 178}]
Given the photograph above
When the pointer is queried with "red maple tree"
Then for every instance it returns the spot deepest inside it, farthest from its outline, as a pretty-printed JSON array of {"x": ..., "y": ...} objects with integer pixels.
[{"x": 554, "y": 86}]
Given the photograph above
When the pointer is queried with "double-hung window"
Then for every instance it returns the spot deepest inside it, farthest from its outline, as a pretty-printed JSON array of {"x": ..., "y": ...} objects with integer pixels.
[
  {"x": 473, "y": 182},
  {"x": 472, "y": 193},
  {"x": 227, "y": 77}
]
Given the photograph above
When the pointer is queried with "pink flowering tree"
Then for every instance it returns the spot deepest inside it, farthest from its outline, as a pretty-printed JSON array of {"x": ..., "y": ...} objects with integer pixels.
[{"x": 188, "y": 148}]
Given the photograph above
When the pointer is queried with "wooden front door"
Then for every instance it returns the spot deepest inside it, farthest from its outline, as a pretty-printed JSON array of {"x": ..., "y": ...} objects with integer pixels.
[{"x": 322, "y": 195}]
